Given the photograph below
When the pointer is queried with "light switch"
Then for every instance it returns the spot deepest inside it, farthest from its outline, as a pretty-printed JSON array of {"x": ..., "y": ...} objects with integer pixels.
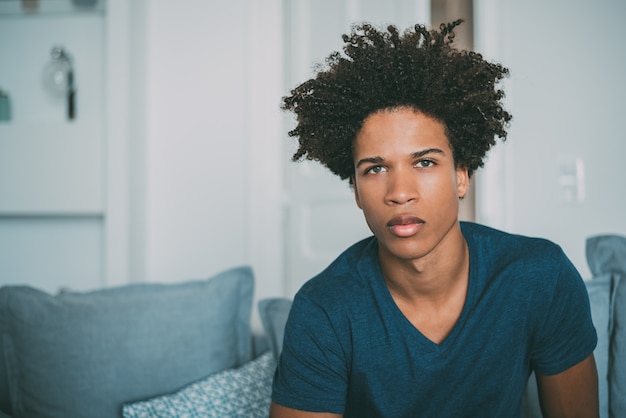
[{"x": 571, "y": 179}]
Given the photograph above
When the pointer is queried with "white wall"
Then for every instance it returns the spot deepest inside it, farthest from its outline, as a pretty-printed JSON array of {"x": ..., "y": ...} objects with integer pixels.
[
  {"x": 205, "y": 193},
  {"x": 194, "y": 152},
  {"x": 197, "y": 154},
  {"x": 566, "y": 94}
]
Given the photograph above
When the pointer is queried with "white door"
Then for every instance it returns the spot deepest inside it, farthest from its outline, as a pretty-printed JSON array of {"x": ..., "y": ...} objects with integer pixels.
[{"x": 322, "y": 218}]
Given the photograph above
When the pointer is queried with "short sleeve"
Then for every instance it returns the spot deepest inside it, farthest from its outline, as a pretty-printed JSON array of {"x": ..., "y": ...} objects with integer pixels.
[
  {"x": 566, "y": 334},
  {"x": 312, "y": 373}
]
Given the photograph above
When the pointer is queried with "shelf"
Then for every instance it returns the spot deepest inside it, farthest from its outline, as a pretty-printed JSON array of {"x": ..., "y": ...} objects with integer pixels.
[{"x": 50, "y": 7}]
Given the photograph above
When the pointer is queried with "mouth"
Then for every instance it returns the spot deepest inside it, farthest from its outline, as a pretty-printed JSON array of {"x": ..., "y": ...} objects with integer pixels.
[{"x": 405, "y": 225}]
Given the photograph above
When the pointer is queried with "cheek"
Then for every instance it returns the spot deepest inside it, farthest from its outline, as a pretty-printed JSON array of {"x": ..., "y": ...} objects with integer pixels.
[
  {"x": 440, "y": 185},
  {"x": 365, "y": 204},
  {"x": 368, "y": 205},
  {"x": 439, "y": 190},
  {"x": 366, "y": 193},
  {"x": 357, "y": 195}
]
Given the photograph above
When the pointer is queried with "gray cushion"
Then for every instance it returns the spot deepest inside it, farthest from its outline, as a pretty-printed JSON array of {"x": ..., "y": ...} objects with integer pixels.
[
  {"x": 600, "y": 299},
  {"x": 618, "y": 350},
  {"x": 274, "y": 313},
  {"x": 5, "y": 402},
  {"x": 606, "y": 255},
  {"x": 84, "y": 354},
  {"x": 235, "y": 393}
]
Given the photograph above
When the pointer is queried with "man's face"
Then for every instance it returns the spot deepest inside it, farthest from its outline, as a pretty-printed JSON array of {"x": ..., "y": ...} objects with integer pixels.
[{"x": 406, "y": 182}]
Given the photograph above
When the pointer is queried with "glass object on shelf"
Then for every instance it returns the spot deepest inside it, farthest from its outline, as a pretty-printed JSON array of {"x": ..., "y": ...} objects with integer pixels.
[{"x": 5, "y": 106}]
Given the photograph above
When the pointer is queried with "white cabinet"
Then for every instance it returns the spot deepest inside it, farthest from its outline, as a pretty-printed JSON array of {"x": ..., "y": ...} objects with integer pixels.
[{"x": 52, "y": 168}]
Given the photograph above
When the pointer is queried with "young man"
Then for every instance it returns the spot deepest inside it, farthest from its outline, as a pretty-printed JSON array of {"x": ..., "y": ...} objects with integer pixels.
[{"x": 429, "y": 317}]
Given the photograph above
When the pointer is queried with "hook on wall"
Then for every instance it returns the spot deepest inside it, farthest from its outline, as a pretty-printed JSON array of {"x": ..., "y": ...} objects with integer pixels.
[{"x": 59, "y": 78}]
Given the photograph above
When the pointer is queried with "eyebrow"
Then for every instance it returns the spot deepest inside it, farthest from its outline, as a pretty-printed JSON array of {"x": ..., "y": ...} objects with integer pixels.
[{"x": 378, "y": 160}]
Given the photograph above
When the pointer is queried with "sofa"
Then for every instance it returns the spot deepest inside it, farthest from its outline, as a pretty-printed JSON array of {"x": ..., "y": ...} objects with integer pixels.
[
  {"x": 181, "y": 349},
  {"x": 187, "y": 349}
]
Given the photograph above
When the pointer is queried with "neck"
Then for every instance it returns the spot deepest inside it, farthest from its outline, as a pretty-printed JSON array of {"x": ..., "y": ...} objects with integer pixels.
[
  {"x": 431, "y": 291},
  {"x": 433, "y": 278}
]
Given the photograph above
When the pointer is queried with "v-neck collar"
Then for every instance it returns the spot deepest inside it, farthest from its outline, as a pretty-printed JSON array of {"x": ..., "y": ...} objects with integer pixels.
[{"x": 395, "y": 314}]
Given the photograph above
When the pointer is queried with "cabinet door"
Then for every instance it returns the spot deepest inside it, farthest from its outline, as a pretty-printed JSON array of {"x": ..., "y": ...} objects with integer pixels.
[
  {"x": 51, "y": 169},
  {"x": 48, "y": 162}
]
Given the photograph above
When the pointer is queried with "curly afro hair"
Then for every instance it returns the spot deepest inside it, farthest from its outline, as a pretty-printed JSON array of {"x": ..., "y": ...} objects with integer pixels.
[{"x": 381, "y": 70}]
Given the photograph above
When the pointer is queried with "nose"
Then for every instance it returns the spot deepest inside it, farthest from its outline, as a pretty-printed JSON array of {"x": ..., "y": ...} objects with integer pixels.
[{"x": 402, "y": 188}]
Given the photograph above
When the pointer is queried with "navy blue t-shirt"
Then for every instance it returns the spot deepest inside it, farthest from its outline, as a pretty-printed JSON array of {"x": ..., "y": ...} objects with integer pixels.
[{"x": 348, "y": 348}]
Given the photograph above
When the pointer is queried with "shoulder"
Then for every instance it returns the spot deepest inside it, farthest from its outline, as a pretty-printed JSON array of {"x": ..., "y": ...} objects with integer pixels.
[
  {"x": 317, "y": 341},
  {"x": 531, "y": 266},
  {"x": 345, "y": 274},
  {"x": 485, "y": 235},
  {"x": 503, "y": 248},
  {"x": 330, "y": 301},
  {"x": 536, "y": 276}
]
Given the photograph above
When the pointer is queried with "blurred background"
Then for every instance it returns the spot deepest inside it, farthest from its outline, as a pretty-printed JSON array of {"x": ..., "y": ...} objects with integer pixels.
[{"x": 143, "y": 140}]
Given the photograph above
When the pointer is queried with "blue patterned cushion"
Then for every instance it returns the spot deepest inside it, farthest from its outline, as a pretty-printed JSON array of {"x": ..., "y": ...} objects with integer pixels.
[{"x": 244, "y": 392}]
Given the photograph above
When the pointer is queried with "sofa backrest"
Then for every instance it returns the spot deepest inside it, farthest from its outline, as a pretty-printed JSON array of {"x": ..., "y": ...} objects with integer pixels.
[
  {"x": 606, "y": 255},
  {"x": 5, "y": 403},
  {"x": 85, "y": 354}
]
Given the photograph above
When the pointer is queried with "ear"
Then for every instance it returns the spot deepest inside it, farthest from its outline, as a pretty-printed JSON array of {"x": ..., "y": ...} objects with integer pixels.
[
  {"x": 357, "y": 198},
  {"x": 462, "y": 182}
]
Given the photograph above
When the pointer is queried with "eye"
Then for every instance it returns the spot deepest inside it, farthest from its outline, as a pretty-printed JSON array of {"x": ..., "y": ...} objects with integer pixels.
[
  {"x": 375, "y": 169},
  {"x": 425, "y": 163}
]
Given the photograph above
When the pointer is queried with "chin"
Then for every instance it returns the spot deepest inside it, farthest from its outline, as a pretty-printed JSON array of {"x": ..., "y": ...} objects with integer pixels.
[{"x": 407, "y": 251}]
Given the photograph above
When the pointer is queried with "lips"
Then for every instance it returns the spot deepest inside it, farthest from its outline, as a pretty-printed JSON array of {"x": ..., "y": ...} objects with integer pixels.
[
  {"x": 405, "y": 220},
  {"x": 405, "y": 225}
]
